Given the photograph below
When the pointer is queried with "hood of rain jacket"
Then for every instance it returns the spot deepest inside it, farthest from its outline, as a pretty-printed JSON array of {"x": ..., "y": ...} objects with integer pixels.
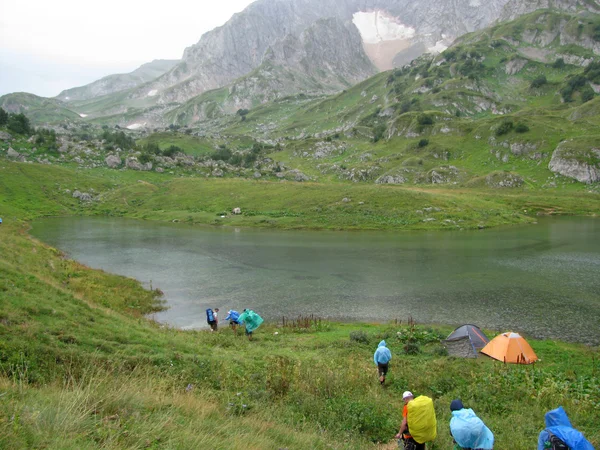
[{"x": 382, "y": 354}]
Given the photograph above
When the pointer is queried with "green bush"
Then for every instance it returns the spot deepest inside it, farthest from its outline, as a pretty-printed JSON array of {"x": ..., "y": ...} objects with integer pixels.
[
  {"x": 423, "y": 143},
  {"x": 504, "y": 128},
  {"x": 587, "y": 94},
  {"x": 3, "y": 117},
  {"x": 539, "y": 81},
  {"x": 359, "y": 336},
  {"x": 412, "y": 348},
  {"x": 521, "y": 128},
  {"x": 425, "y": 119},
  {"x": 19, "y": 123},
  {"x": 558, "y": 64}
]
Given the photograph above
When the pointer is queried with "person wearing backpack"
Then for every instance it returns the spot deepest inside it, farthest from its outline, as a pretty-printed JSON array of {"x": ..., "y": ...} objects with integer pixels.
[
  {"x": 382, "y": 359},
  {"x": 251, "y": 320},
  {"x": 234, "y": 319},
  {"x": 212, "y": 318},
  {"x": 419, "y": 424},
  {"x": 468, "y": 431}
]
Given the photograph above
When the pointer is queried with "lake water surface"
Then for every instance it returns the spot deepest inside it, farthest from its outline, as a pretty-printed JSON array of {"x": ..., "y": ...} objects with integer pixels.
[{"x": 542, "y": 280}]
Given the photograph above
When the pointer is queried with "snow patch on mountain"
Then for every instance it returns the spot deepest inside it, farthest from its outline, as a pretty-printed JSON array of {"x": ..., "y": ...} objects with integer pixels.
[
  {"x": 379, "y": 26},
  {"x": 439, "y": 46}
]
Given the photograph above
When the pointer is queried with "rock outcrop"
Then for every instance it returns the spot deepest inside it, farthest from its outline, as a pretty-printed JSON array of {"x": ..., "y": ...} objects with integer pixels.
[{"x": 577, "y": 159}]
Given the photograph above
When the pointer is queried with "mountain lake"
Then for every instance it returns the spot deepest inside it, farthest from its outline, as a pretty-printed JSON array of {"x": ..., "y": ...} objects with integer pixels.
[{"x": 542, "y": 280}]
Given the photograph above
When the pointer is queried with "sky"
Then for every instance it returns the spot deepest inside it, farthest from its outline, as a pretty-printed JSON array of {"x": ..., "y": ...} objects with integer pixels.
[{"x": 47, "y": 46}]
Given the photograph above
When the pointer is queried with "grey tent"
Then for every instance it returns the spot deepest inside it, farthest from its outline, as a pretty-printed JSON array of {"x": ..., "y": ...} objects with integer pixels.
[{"x": 466, "y": 341}]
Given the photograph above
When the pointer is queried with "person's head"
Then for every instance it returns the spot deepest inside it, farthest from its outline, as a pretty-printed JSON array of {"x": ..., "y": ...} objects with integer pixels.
[
  {"x": 407, "y": 396},
  {"x": 216, "y": 309},
  {"x": 456, "y": 405}
]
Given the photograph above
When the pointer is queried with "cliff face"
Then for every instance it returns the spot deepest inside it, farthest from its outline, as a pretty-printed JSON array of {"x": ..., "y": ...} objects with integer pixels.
[{"x": 248, "y": 38}]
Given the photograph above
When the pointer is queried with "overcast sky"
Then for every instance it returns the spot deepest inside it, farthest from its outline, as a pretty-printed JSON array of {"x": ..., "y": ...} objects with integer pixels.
[{"x": 47, "y": 46}]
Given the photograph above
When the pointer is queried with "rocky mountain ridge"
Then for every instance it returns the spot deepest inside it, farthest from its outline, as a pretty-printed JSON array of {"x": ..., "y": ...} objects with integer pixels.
[{"x": 119, "y": 82}]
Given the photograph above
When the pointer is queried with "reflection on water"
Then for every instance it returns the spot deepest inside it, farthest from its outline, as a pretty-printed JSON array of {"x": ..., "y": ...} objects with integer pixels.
[{"x": 541, "y": 280}]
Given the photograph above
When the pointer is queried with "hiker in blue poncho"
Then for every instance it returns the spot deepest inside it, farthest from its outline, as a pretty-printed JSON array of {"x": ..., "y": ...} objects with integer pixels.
[
  {"x": 559, "y": 432},
  {"x": 382, "y": 359},
  {"x": 251, "y": 320},
  {"x": 234, "y": 319},
  {"x": 468, "y": 430}
]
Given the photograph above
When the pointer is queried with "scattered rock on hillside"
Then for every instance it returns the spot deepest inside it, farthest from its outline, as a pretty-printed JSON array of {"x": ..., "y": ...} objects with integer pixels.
[
  {"x": 296, "y": 175},
  {"x": 82, "y": 196},
  {"x": 515, "y": 66},
  {"x": 391, "y": 179},
  {"x": 581, "y": 162},
  {"x": 13, "y": 154},
  {"x": 237, "y": 211},
  {"x": 503, "y": 180},
  {"x": 134, "y": 164},
  {"x": 4, "y": 136},
  {"x": 217, "y": 173},
  {"x": 525, "y": 148},
  {"x": 443, "y": 175},
  {"x": 113, "y": 161}
]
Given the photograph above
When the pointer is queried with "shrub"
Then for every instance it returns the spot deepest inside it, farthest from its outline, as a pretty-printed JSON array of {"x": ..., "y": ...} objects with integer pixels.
[
  {"x": 378, "y": 132},
  {"x": 19, "y": 123},
  {"x": 222, "y": 154},
  {"x": 558, "y": 64},
  {"x": 521, "y": 128},
  {"x": 539, "y": 81},
  {"x": 587, "y": 94},
  {"x": 412, "y": 348},
  {"x": 3, "y": 117},
  {"x": 425, "y": 119},
  {"x": 423, "y": 143},
  {"x": 172, "y": 151},
  {"x": 504, "y": 128},
  {"x": 592, "y": 72},
  {"x": 359, "y": 336}
]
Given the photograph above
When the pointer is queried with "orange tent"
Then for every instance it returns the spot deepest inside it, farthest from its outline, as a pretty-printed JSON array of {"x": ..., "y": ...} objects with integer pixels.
[{"x": 510, "y": 348}]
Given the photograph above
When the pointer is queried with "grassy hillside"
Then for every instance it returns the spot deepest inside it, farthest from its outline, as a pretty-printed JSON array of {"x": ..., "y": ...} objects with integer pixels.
[
  {"x": 27, "y": 190},
  {"x": 39, "y": 110}
]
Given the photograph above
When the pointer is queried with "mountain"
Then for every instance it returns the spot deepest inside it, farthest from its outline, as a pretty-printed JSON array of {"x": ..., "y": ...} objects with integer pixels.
[
  {"x": 399, "y": 29},
  {"x": 279, "y": 48},
  {"x": 39, "y": 110},
  {"x": 116, "y": 83},
  {"x": 305, "y": 64}
]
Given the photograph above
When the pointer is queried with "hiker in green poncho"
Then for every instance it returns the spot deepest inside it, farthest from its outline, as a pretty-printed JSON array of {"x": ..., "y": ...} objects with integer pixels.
[{"x": 251, "y": 320}]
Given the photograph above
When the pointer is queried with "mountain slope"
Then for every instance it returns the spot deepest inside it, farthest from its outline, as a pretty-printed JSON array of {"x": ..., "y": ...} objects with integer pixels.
[
  {"x": 293, "y": 65},
  {"x": 239, "y": 46},
  {"x": 39, "y": 110},
  {"x": 120, "y": 82}
]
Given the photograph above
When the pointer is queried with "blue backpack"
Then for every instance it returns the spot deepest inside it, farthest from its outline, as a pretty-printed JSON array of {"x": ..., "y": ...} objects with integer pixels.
[{"x": 210, "y": 317}]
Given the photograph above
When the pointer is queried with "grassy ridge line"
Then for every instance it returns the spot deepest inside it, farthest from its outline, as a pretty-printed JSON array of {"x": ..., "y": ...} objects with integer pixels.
[{"x": 76, "y": 366}]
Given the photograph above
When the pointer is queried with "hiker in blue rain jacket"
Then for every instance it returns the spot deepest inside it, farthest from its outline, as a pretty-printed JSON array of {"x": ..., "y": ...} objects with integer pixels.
[
  {"x": 234, "y": 319},
  {"x": 559, "y": 431},
  {"x": 468, "y": 430},
  {"x": 382, "y": 359}
]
